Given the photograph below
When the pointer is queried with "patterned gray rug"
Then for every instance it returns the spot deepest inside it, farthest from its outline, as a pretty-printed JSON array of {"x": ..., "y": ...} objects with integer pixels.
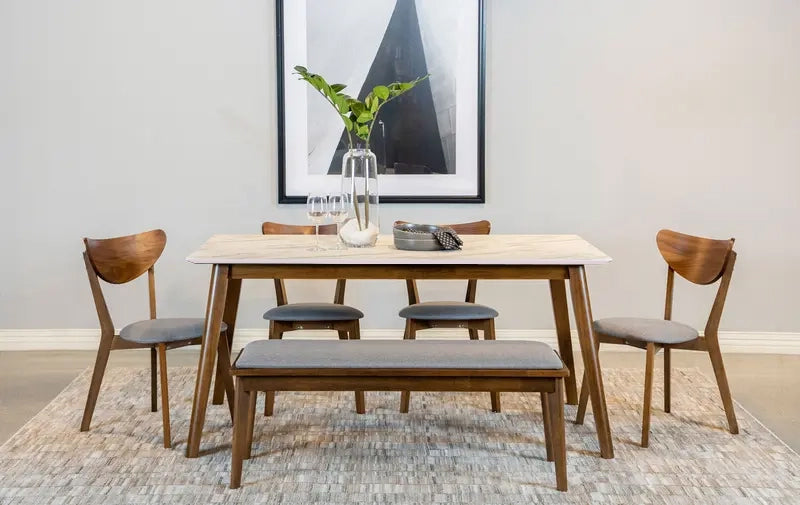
[{"x": 449, "y": 449}]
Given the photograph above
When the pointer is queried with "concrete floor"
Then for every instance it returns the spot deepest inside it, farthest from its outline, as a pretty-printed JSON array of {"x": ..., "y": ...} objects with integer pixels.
[{"x": 766, "y": 385}]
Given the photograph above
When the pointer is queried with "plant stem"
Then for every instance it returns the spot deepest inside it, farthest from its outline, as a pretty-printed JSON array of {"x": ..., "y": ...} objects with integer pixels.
[
  {"x": 366, "y": 184},
  {"x": 354, "y": 197}
]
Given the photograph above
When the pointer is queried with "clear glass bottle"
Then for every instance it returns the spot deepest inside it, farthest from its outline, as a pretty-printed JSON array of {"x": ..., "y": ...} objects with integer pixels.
[{"x": 360, "y": 181}]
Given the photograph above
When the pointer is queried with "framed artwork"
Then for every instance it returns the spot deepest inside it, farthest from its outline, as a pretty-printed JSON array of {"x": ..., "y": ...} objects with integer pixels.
[{"x": 429, "y": 142}]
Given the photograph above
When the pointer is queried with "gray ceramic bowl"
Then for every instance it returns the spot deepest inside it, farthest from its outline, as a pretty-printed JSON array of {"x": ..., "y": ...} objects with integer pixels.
[{"x": 415, "y": 237}]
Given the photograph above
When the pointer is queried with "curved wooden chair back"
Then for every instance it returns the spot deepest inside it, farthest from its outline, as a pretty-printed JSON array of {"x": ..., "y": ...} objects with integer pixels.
[
  {"x": 271, "y": 228},
  {"x": 696, "y": 259},
  {"x": 700, "y": 261},
  {"x": 122, "y": 259},
  {"x": 119, "y": 260},
  {"x": 482, "y": 227}
]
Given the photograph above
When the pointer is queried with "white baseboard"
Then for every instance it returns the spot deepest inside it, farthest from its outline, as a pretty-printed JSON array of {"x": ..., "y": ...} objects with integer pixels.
[{"x": 87, "y": 339}]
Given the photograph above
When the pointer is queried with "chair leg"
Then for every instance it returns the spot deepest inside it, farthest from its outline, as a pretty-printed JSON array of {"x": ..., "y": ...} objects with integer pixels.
[
  {"x": 355, "y": 334},
  {"x": 488, "y": 334},
  {"x": 722, "y": 382},
  {"x": 251, "y": 421},
  {"x": 667, "y": 380},
  {"x": 269, "y": 400},
  {"x": 153, "y": 380},
  {"x": 548, "y": 429},
  {"x": 241, "y": 404},
  {"x": 405, "y": 396},
  {"x": 97, "y": 379},
  {"x": 224, "y": 373},
  {"x": 583, "y": 402},
  {"x": 220, "y": 386},
  {"x": 557, "y": 429},
  {"x": 162, "y": 358},
  {"x": 648, "y": 393}
]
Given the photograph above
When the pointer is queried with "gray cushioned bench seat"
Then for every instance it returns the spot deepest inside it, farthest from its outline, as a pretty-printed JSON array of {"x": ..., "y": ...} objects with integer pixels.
[
  {"x": 398, "y": 354},
  {"x": 392, "y": 365},
  {"x": 658, "y": 331},
  {"x": 160, "y": 331},
  {"x": 448, "y": 311},
  {"x": 313, "y": 312}
]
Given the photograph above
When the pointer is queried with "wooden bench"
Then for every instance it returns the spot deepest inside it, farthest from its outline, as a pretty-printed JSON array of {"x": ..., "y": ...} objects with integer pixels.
[{"x": 386, "y": 365}]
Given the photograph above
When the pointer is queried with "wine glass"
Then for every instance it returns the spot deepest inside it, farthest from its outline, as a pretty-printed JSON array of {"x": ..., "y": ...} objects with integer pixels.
[
  {"x": 338, "y": 207},
  {"x": 317, "y": 210}
]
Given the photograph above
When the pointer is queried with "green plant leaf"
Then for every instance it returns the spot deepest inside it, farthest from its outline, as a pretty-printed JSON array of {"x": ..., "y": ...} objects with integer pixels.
[
  {"x": 381, "y": 92},
  {"x": 357, "y": 107},
  {"x": 358, "y": 117},
  {"x": 341, "y": 104},
  {"x": 347, "y": 123}
]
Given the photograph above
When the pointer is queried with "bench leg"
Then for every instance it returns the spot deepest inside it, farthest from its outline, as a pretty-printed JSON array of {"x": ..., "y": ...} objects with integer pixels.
[
  {"x": 488, "y": 334},
  {"x": 269, "y": 403},
  {"x": 558, "y": 437},
  {"x": 251, "y": 421},
  {"x": 548, "y": 430},
  {"x": 240, "y": 414}
]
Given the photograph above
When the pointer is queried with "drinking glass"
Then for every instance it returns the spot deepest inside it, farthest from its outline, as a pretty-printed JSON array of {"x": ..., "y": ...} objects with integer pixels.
[
  {"x": 338, "y": 207},
  {"x": 317, "y": 210}
]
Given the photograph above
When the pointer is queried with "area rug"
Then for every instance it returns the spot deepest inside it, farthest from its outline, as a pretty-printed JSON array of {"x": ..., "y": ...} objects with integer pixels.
[{"x": 449, "y": 449}]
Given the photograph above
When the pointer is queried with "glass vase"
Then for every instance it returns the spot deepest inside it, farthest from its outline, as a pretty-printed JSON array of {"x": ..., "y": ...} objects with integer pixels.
[{"x": 360, "y": 181}]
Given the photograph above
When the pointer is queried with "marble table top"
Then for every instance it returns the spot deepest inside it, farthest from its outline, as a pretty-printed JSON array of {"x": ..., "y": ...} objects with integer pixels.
[{"x": 496, "y": 249}]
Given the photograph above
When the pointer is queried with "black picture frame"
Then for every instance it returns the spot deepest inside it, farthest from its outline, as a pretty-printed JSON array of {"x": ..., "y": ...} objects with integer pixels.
[{"x": 480, "y": 184}]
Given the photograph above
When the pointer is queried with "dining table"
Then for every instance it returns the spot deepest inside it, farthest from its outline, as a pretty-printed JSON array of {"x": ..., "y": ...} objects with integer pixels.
[{"x": 555, "y": 258}]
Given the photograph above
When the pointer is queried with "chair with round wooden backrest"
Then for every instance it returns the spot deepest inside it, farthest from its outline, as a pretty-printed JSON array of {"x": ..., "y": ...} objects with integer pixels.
[
  {"x": 700, "y": 261},
  {"x": 450, "y": 314},
  {"x": 117, "y": 261},
  {"x": 287, "y": 316}
]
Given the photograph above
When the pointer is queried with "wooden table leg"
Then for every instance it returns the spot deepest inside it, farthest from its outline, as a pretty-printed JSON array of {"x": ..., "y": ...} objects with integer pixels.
[
  {"x": 594, "y": 378},
  {"x": 208, "y": 355},
  {"x": 558, "y": 295},
  {"x": 229, "y": 317}
]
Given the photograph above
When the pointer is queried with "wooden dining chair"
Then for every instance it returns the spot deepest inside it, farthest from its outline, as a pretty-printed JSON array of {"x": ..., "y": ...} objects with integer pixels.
[
  {"x": 117, "y": 261},
  {"x": 450, "y": 314},
  {"x": 700, "y": 261},
  {"x": 287, "y": 316}
]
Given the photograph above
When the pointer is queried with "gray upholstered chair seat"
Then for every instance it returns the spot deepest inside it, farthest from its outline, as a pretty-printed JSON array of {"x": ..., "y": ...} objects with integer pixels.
[
  {"x": 313, "y": 312},
  {"x": 160, "y": 331},
  {"x": 448, "y": 311},
  {"x": 658, "y": 331},
  {"x": 391, "y": 354}
]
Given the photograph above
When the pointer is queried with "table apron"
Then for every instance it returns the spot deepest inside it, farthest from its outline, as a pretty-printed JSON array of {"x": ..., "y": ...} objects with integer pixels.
[{"x": 304, "y": 271}]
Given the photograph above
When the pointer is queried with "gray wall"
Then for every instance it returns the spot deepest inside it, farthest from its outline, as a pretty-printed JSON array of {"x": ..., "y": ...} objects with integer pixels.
[{"x": 608, "y": 119}]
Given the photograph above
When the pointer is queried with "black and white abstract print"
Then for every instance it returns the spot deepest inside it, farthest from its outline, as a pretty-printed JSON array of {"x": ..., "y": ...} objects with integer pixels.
[
  {"x": 415, "y": 133},
  {"x": 428, "y": 134}
]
